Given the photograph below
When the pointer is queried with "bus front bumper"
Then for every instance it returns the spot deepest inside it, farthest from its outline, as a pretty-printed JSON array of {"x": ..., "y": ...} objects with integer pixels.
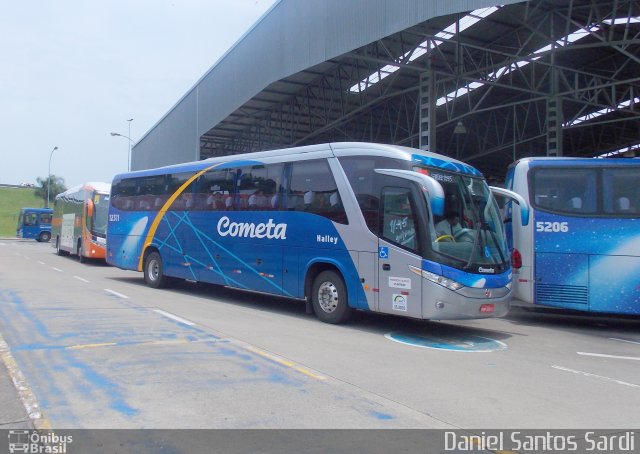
[{"x": 466, "y": 303}]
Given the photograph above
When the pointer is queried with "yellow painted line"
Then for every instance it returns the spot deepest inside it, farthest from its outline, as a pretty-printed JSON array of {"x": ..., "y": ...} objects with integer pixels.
[
  {"x": 104, "y": 344},
  {"x": 143, "y": 342},
  {"x": 27, "y": 397},
  {"x": 284, "y": 362}
]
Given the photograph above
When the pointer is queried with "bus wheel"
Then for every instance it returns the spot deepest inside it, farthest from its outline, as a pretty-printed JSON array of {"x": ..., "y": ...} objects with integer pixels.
[
  {"x": 329, "y": 298},
  {"x": 153, "y": 271},
  {"x": 81, "y": 257},
  {"x": 45, "y": 237},
  {"x": 58, "y": 250}
]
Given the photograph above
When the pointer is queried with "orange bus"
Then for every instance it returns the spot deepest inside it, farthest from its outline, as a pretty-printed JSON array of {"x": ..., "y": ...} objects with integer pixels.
[{"x": 79, "y": 223}]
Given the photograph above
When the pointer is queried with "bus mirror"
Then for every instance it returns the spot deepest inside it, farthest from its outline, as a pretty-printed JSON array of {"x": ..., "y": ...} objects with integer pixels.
[
  {"x": 435, "y": 193},
  {"x": 90, "y": 207},
  {"x": 524, "y": 206}
]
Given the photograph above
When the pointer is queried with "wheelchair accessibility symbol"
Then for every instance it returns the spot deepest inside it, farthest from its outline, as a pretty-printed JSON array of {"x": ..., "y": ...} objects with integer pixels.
[{"x": 383, "y": 252}]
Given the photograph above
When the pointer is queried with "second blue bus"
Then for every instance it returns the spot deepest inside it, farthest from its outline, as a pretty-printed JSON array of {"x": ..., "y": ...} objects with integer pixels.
[{"x": 582, "y": 249}]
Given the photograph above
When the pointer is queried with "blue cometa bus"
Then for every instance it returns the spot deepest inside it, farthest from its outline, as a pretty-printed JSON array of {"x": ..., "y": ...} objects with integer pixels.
[
  {"x": 582, "y": 249},
  {"x": 344, "y": 226}
]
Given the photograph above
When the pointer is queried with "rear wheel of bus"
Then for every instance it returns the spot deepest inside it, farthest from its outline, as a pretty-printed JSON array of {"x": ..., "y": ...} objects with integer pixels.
[
  {"x": 81, "y": 257},
  {"x": 329, "y": 298},
  {"x": 58, "y": 250},
  {"x": 153, "y": 273}
]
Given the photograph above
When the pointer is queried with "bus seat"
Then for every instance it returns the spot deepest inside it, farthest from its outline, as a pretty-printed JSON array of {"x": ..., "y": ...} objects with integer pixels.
[
  {"x": 575, "y": 203},
  {"x": 623, "y": 204}
]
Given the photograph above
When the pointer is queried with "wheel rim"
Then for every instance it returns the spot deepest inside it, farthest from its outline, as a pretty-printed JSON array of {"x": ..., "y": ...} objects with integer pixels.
[
  {"x": 328, "y": 297},
  {"x": 153, "y": 270}
]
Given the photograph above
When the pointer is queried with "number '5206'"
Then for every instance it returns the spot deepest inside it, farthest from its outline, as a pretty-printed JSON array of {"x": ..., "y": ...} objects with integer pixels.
[{"x": 553, "y": 227}]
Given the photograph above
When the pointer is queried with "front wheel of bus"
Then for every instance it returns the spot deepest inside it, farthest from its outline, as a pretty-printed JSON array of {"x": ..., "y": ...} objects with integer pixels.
[
  {"x": 44, "y": 237},
  {"x": 153, "y": 275},
  {"x": 329, "y": 298}
]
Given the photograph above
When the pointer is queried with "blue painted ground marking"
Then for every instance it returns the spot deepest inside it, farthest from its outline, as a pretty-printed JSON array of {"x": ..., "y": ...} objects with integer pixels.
[
  {"x": 381, "y": 416},
  {"x": 458, "y": 343}
]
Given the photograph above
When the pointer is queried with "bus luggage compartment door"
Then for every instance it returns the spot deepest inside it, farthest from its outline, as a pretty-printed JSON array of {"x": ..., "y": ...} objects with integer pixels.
[
  {"x": 614, "y": 284},
  {"x": 562, "y": 280}
]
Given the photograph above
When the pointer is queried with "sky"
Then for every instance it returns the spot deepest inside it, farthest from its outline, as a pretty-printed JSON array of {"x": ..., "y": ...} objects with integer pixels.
[{"x": 73, "y": 71}]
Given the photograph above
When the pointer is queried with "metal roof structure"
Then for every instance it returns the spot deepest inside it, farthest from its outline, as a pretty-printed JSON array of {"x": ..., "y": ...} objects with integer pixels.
[{"x": 484, "y": 82}]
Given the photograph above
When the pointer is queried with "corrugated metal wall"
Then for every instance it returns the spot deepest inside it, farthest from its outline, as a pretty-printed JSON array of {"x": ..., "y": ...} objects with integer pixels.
[{"x": 293, "y": 36}]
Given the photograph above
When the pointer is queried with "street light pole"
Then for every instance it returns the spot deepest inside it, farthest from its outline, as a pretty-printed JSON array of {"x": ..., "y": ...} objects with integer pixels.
[
  {"x": 49, "y": 177},
  {"x": 131, "y": 142},
  {"x": 129, "y": 137}
]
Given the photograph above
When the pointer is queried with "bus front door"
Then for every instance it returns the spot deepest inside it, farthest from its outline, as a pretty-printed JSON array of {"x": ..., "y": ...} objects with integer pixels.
[{"x": 400, "y": 290}]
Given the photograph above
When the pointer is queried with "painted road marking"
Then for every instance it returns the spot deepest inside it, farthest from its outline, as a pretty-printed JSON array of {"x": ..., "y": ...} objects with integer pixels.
[
  {"x": 40, "y": 262},
  {"x": 114, "y": 293},
  {"x": 174, "y": 317},
  {"x": 81, "y": 279},
  {"x": 457, "y": 343},
  {"x": 78, "y": 347},
  {"x": 282, "y": 362},
  {"x": 57, "y": 269},
  {"x": 600, "y": 355},
  {"x": 624, "y": 340},
  {"x": 587, "y": 374},
  {"x": 28, "y": 398},
  {"x": 131, "y": 343}
]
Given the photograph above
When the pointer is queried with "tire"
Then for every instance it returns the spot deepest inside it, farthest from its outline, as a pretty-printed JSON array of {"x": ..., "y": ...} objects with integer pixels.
[
  {"x": 153, "y": 274},
  {"x": 329, "y": 298},
  {"x": 44, "y": 237},
  {"x": 59, "y": 251},
  {"x": 81, "y": 257}
]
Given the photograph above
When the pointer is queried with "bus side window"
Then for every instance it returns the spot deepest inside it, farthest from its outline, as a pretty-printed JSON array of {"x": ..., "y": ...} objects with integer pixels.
[
  {"x": 310, "y": 189},
  {"x": 45, "y": 218},
  {"x": 360, "y": 171},
  {"x": 30, "y": 219}
]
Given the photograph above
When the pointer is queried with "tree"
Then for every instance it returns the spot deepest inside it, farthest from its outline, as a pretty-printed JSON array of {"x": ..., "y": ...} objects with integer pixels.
[{"x": 56, "y": 187}]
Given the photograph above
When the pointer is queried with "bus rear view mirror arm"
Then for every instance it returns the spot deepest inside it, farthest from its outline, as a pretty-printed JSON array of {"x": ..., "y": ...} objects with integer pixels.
[
  {"x": 524, "y": 206},
  {"x": 434, "y": 190}
]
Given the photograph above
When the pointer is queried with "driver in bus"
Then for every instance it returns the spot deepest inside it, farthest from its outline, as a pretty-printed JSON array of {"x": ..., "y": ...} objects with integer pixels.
[{"x": 450, "y": 225}]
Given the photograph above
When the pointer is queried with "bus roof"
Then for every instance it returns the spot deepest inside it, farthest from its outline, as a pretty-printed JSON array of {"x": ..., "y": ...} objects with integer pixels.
[
  {"x": 38, "y": 210},
  {"x": 100, "y": 187},
  {"x": 586, "y": 162},
  {"x": 334, "y": 149}
]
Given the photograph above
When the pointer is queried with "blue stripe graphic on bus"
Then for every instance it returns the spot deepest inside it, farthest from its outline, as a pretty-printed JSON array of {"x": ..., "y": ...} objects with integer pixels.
[
  {"x": 457, "y": 167},
  {"x": 467, "y": 279}
]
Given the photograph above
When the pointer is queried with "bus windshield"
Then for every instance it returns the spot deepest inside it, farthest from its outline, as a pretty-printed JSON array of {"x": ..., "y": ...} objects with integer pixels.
[
  {"x": 98, "y": 222},
  {"x": 470, "y": 235}
]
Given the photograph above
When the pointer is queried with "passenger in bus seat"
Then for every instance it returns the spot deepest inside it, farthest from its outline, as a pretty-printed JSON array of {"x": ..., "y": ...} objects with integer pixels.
[
  {"x": 228, "y": 202},
  {"x": 257, "y": 200},
  {"x": 218, "y": 202},
  {"x": 308, "y": 199}
]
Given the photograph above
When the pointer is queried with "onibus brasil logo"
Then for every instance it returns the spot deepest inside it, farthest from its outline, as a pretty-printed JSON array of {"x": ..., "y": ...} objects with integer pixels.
[{"x": 32, "y": 441}]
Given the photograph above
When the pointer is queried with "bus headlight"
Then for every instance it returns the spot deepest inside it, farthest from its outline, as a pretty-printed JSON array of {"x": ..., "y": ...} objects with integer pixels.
[{"x": 440, "y": 280}]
